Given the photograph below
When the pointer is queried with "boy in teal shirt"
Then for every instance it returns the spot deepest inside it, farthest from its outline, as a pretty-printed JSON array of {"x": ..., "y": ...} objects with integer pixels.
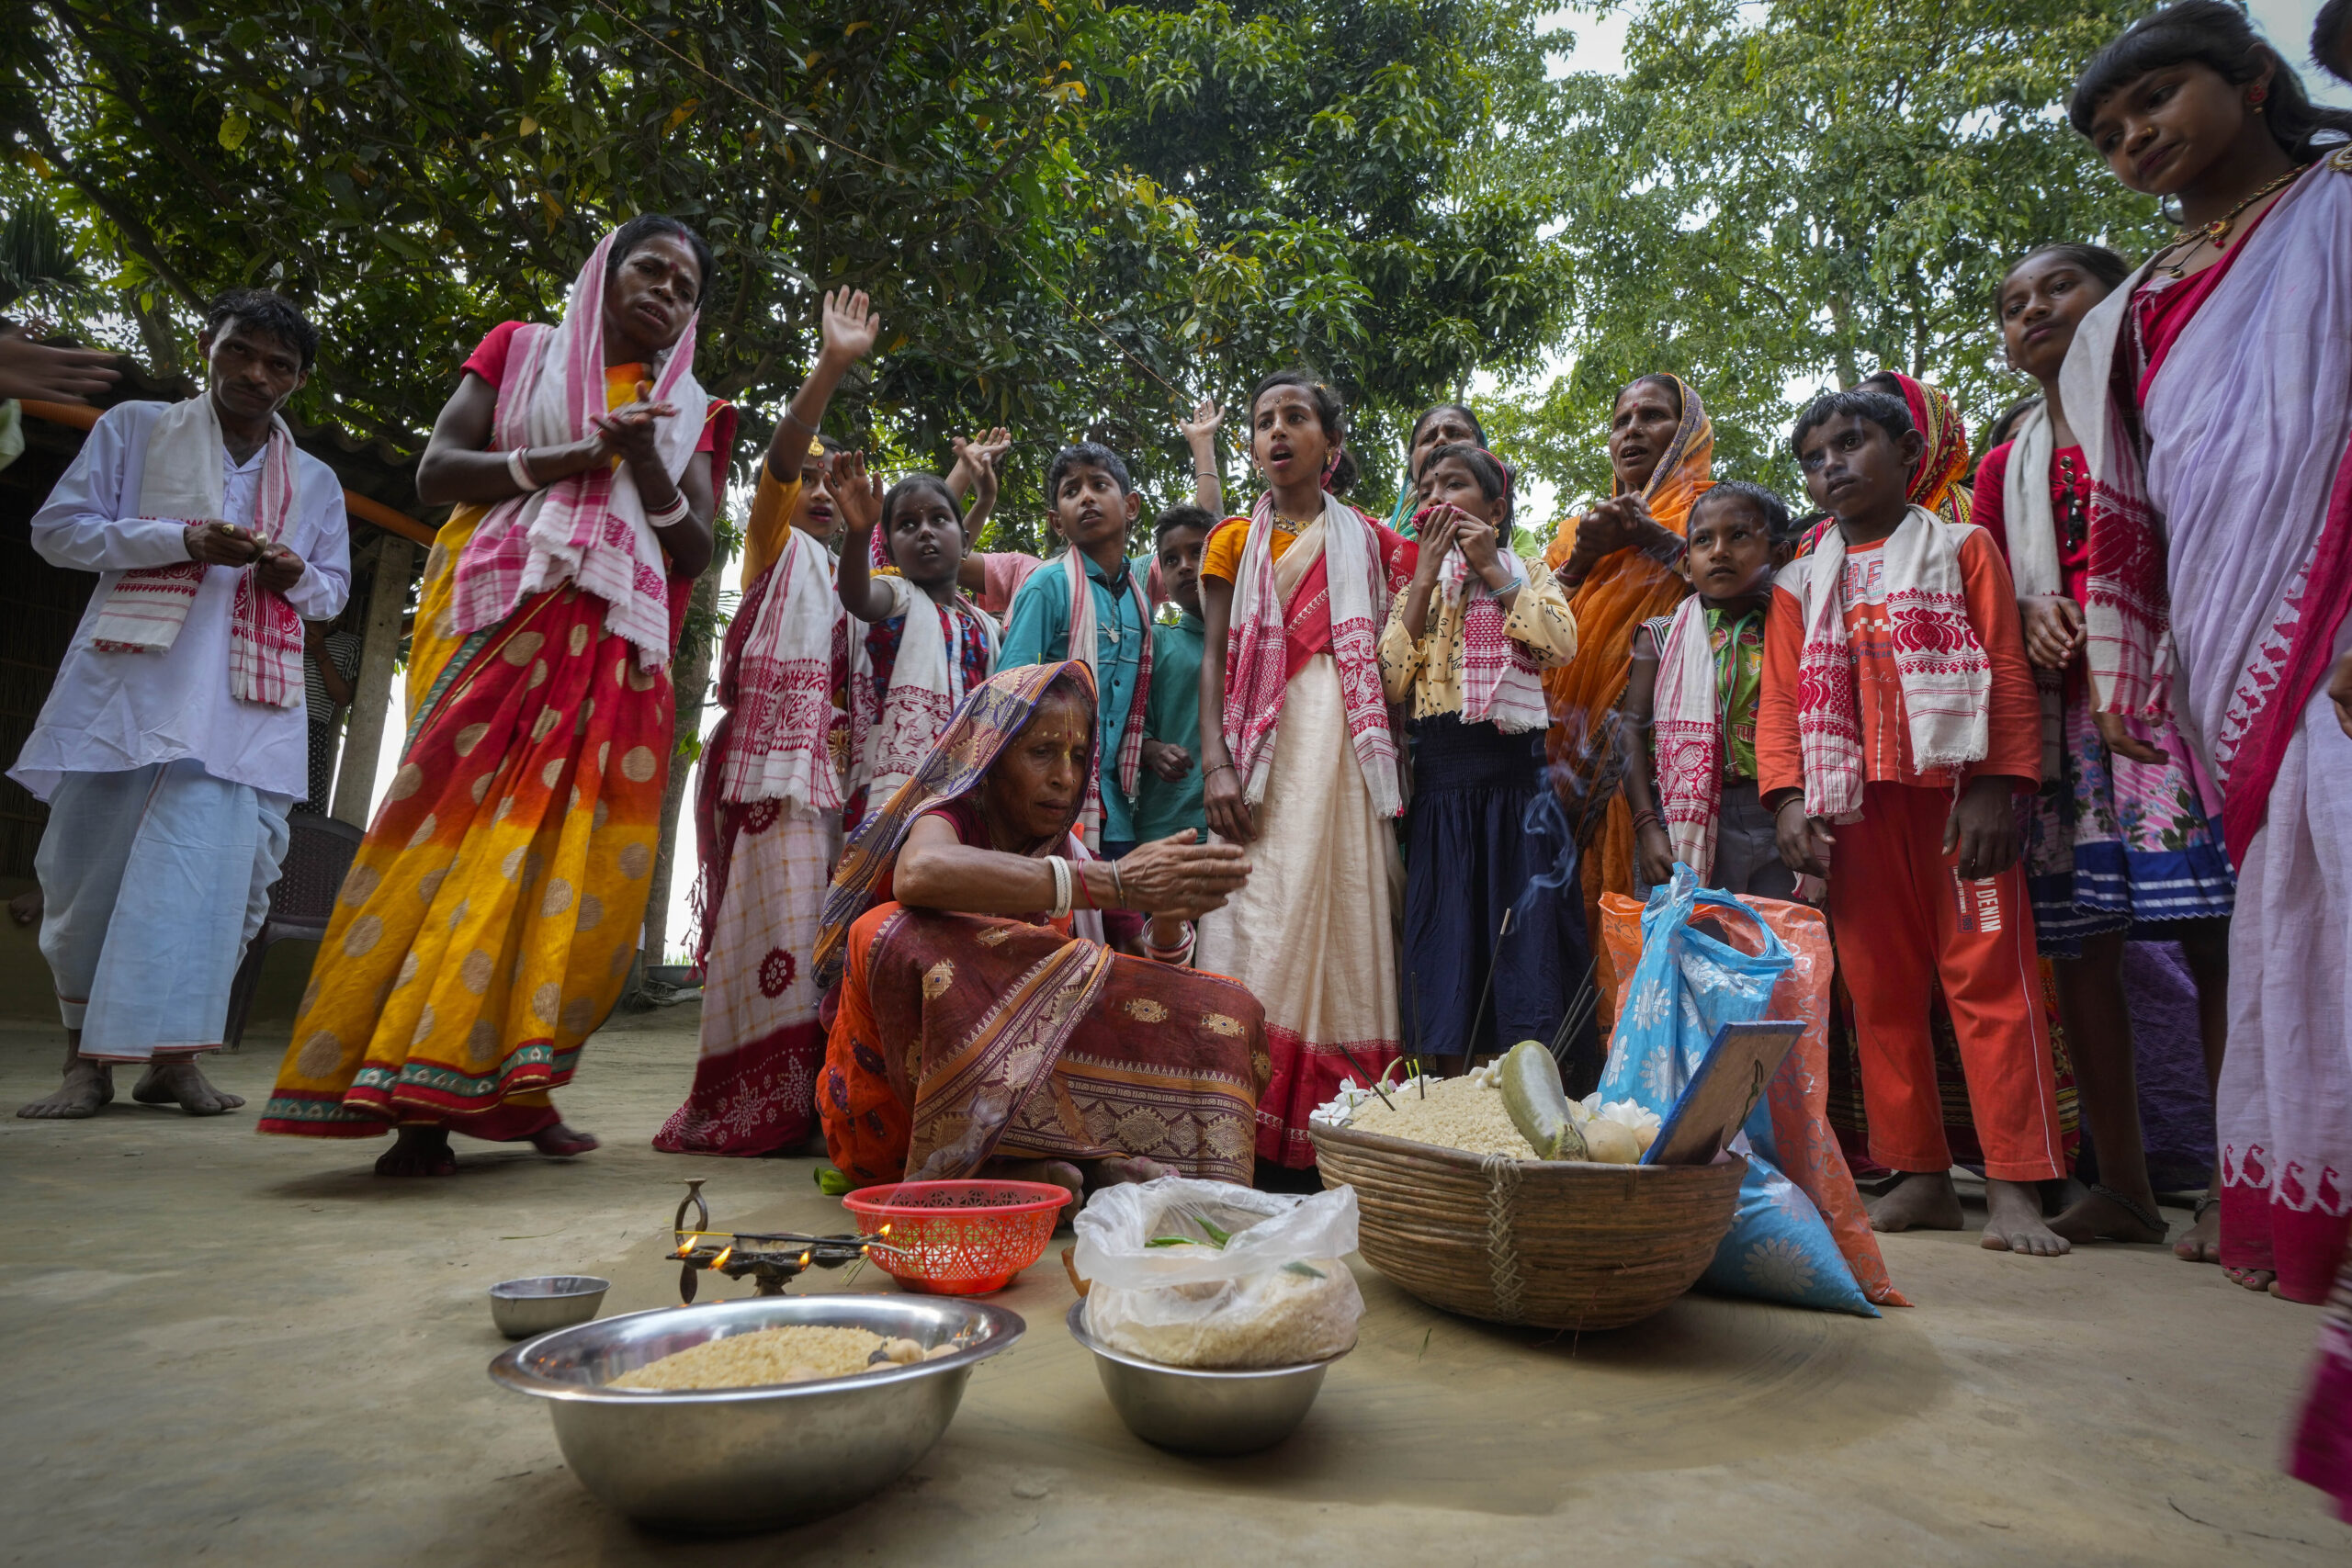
[{"x": 1169, "y": 800}]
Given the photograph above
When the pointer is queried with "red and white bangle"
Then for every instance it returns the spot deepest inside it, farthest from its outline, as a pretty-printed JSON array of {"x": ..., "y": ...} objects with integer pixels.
[
  {"x": 1172, "y": 955},
  {"x": 669, "y": 516}
]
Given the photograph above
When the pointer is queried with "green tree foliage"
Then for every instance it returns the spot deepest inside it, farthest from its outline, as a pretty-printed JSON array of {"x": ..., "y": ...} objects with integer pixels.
[
  {"x": 1328, "y": 151},
  {"x": 1074, "y": 220},
  {"x": 1777, "y": 196}
]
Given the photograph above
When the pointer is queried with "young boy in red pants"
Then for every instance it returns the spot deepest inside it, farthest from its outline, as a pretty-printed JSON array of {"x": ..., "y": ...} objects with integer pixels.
[{"x": 1897, "y": 719}]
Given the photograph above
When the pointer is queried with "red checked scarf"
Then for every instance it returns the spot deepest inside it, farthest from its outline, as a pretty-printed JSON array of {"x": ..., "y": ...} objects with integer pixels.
[
  {"x": 1686, "y": 735},
  {"x": 1082, "y": 633},
  {"x": 777, "y": 685},
  {"x": 1341, "y": 596},
  {"x": 1500, "y": 684},
  {"x": 591, "y": 527},
  {"x": 147, "y": 607},
  {"x": 1945, "y": 675}
]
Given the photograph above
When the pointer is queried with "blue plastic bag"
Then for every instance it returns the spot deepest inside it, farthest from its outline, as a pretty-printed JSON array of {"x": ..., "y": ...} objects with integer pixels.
[{"x": 1687, "y": 985}]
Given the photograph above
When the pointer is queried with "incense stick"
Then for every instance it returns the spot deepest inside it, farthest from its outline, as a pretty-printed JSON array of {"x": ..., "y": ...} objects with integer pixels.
[
  {"x": 1367, "y": 1077},
  {"x": 1578, "y": 1010},
  {"x": 1415, "y": 996},
  {"x": 1470, "y": 1041}
]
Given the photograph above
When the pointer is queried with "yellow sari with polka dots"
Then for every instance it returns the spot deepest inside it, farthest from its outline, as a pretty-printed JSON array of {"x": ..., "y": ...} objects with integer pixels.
[{"x": 489, "y": 918}]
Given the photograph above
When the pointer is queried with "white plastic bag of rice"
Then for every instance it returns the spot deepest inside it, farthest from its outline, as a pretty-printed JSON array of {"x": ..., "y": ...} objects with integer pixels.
[{"x": 1205, "y": 1274}]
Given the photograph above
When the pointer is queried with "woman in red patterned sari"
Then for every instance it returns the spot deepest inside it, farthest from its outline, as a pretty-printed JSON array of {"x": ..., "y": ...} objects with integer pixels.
[{"x": 1013, "y": 1034}]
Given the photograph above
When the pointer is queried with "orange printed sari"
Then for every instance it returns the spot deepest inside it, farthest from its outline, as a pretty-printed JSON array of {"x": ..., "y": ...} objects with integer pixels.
[
  {"x": 489, "y": 920},
  {"x": 1622, "y": 591}
]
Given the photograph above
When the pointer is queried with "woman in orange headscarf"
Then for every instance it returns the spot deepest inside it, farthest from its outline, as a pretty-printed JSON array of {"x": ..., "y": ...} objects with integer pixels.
[{"x": 1621, "y": 565}]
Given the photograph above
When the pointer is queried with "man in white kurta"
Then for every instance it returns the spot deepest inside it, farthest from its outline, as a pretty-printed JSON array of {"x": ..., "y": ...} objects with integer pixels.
[{"x": 168, "y": 790}]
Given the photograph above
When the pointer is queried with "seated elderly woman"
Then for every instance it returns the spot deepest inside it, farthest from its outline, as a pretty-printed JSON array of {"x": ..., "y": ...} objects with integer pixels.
[{"x": 986, "y": 1019}]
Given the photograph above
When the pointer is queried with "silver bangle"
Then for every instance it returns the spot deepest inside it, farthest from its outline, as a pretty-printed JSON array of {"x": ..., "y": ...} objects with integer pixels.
[
  {"x": 670, "y": 515},
  {"x": 1063, "y": 889},
  {"x": 520, "y": 471}
]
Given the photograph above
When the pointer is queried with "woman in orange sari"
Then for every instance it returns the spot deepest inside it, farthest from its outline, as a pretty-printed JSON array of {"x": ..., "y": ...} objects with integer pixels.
[
  {"x": 1047, "y": 1028},
  {"x": 1621, "y": 565},
  {"x": 489, "y": 918}
]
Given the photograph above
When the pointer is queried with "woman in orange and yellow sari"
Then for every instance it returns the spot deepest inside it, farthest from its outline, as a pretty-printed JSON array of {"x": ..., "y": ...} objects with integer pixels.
[
  {"x": 488, "y": 920},
  {"x": 1620, "y": 564}
]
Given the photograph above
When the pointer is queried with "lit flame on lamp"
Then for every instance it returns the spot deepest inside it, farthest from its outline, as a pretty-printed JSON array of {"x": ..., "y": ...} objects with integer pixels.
[{"x": 720, "y": 1261}]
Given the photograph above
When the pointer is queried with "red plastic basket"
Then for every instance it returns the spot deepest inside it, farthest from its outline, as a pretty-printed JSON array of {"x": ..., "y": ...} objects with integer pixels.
[{"x": 958, "y": 1238}]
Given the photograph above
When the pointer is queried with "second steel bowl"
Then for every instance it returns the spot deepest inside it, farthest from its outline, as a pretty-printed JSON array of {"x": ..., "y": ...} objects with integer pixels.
[{"x": 1195, "y": 1410}]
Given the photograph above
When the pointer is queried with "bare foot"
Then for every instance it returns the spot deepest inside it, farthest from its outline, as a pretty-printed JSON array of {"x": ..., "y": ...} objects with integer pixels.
[
  {"x": 2098, "y": 1217},
  {"x": 1920, "y": 1200},
  {"x": 419, "y": 1151},
  {"x": 561, "y": 1142},
  {"x": 2255, "y": 1279},
  {"x": 1119, "y": 1169},
  {"x": 2202, "y": 1239},
  {"x": 2013, "y": 1220},
  {"x": 87, "y": 1088},
  {"x": 25, "y": 908},
  {"x": 183, "y": 1083}
]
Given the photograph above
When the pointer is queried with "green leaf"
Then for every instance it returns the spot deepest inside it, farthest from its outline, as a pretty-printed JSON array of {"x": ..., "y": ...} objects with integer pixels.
[{"x": 832, "y": 1183}]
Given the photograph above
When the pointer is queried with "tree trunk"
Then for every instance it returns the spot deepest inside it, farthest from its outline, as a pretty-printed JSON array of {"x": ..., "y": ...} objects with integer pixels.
[
  {"x": 379, "y": 650},
  {"x": 691, "y": 680}
]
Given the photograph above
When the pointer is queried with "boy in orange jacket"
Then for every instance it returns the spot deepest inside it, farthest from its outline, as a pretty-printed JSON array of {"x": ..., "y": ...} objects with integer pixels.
[{"x": 1897, "y": 720}]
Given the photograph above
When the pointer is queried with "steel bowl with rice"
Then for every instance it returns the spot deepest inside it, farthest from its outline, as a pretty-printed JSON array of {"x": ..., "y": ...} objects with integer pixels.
[{"x": 724, "y": 1460}]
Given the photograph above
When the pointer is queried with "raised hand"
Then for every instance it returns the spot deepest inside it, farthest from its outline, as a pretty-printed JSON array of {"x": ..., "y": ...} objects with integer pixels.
[
  {"x": 856, "y": 493},
  {"x": 1203, "y": 425},
  {"x": 848, "y": 327}
]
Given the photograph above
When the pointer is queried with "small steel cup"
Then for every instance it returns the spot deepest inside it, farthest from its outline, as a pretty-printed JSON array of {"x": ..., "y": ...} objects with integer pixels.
[{"x": 524, "y": 1307}]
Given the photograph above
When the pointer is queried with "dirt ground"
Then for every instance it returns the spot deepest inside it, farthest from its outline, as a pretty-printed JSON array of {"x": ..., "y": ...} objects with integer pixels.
[{"x": 228, "y": 1348}]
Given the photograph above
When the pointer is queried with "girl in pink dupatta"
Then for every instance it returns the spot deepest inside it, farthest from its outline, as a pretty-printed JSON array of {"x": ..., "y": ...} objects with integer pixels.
[
  {"x": 2215, "y": 394},
  {"x": 1299, "y": 760}
]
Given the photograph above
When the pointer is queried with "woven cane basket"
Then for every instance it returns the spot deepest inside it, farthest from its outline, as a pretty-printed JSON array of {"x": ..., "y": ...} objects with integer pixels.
[{"x": 1558, "y": 1243}]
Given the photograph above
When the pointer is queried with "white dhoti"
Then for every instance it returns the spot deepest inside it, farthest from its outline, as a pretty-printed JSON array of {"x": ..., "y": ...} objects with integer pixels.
[{"x": 154, "y": 879}]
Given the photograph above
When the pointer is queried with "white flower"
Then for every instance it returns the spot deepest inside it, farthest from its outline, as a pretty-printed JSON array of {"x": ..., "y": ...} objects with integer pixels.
[
  {"x": 1651, "y": 1007},
  {"x": 1779, "y": 1268},
  {"x": 1630, "y": 1113}
]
